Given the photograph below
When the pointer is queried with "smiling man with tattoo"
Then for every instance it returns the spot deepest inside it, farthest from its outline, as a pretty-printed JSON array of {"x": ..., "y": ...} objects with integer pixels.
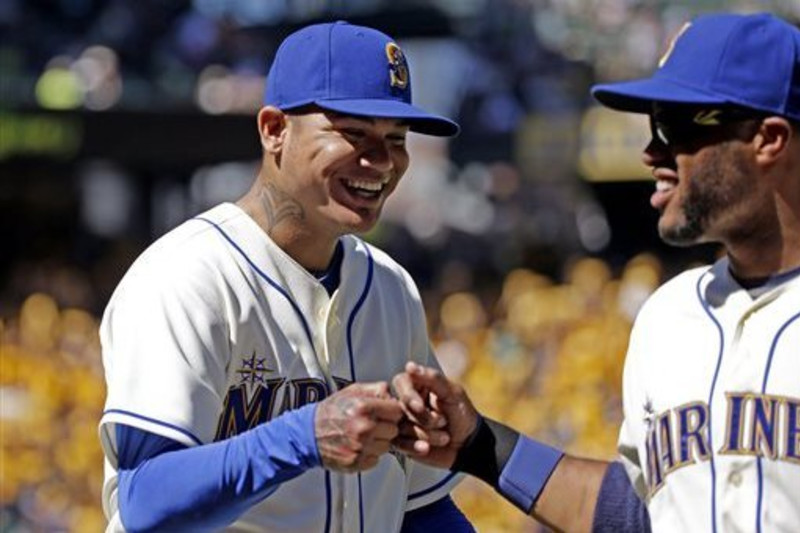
[{"x": 247, "y": 352}]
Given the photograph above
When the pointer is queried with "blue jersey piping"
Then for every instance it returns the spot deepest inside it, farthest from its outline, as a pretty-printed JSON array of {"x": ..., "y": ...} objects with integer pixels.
[
  {"x": 710, "y": 398},
  {"x": 154, "y": 421},
  {"x": 763, "y": 391},
  {"x": 353, "y": 376},
  {"x": 438, "y": 485}
]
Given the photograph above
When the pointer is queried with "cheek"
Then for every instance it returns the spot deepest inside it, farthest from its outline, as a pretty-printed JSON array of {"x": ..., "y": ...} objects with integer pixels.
[
  {"x": 400, "y": 161},
  {"x": 332, "y": 156}
]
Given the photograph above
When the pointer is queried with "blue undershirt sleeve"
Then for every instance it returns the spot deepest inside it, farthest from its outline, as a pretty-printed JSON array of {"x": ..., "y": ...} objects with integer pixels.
[
  {"x": 134, "y": 446},
  {"x": 441, "y": 515},
  {"x": 618, "y": 506},
  {"x": 166, "y": 486}
]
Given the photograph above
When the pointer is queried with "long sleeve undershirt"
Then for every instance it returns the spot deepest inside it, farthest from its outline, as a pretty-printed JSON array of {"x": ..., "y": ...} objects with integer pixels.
[{"x": 164, "y": 485}]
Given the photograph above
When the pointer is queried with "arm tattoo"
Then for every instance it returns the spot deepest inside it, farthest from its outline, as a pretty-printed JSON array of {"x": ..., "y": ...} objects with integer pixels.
[{"x": 278, "y": 206}]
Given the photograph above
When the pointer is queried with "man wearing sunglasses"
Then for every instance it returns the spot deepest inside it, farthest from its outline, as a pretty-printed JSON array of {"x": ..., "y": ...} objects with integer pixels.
[{"x": 711, "y": 389}]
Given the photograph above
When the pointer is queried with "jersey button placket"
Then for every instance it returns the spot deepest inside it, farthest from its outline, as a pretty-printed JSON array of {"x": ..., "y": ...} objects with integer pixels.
[{"x": 318, "y": 312}]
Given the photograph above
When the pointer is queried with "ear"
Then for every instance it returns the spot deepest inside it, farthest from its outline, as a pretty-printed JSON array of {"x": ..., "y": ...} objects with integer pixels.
[
  {"x": 271, "y": 128},
  {"x": 773, "y": 140}
]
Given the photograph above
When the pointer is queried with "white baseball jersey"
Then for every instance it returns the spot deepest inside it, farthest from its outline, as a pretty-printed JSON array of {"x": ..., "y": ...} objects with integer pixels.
[
  {"x": 711, "y": 437},
  {"x": 214, "y": 329}
]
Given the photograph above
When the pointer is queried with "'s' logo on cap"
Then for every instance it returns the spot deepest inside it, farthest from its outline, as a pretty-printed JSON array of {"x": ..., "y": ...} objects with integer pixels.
[
  {"x": 708, "y": 118},
  {"x": 671, "y": 45},
  {"x": 398, "y": 68}
]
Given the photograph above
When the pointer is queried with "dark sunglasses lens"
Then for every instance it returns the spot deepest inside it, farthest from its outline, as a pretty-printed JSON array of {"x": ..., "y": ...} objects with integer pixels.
[{"x": 659, "y": 131}]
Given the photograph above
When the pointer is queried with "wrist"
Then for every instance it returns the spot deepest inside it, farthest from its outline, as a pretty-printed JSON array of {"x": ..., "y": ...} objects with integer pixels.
[
  {"x": 514, "y": 465},
  {"x": 527, "y": 471},
  {"x": 487, "y": 450},
  {"x": 297, "y": 426}
]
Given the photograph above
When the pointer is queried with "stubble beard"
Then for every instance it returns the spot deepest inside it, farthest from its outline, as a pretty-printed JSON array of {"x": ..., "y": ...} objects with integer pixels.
[{"x": 715, "y": 188}]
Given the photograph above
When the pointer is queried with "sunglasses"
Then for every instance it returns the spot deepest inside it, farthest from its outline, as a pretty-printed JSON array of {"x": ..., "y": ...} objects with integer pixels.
[{"x": 683, "y": 125}]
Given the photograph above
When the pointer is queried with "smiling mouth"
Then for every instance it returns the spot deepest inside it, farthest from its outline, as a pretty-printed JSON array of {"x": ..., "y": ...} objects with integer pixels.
[
  {"x": 369, "y": 189},
  {"x": 666, "y": 185}
]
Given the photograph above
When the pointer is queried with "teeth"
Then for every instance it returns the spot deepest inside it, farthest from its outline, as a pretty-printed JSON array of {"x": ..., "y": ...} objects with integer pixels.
[
  {"x": 374, "y": 186},
  {"x": 664, "y": 185}
]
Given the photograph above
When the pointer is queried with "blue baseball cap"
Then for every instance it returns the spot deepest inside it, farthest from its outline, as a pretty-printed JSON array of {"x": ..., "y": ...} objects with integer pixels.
[
  {"x": 349, "y": 69},
  {"x": 721, "y": 59}
]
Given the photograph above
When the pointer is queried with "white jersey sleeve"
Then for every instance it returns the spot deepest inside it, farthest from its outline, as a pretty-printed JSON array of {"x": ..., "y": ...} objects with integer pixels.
[
  {"x": 627, "y": 445},
  {"x": 166, "y": 347}
]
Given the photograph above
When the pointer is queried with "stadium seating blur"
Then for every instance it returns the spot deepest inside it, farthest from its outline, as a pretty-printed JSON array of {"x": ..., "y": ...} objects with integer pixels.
[{"x": 51, "y": 384}]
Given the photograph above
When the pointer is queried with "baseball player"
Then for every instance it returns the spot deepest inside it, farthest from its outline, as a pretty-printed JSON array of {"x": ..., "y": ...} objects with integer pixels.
[
  {"x": 711, "y": 433},
  {"x": 247, "y": 352}
]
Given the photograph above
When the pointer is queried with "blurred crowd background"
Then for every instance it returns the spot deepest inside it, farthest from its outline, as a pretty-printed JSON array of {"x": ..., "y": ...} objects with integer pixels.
[{"x": 530, "y": 234}]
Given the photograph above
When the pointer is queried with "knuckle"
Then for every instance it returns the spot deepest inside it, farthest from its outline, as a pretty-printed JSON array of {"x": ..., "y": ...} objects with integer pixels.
[
  {"x": 350, "y": 460},
  {"x": 363, "y": 426}
]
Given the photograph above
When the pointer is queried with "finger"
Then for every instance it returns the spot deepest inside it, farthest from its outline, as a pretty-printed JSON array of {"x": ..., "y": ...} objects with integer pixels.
[
  {"x": 385, "y": 431},
  {"x": 406, "y": 428},
  {"x": 411, "y": 447},
  {"x": 388, "y": 410},
  {"x": 406, "y": 391},
  {"x": 423, "y": 377},
  {"x": 377, "y": 447},
  {"x": 417, "y": 389},
  {"x": 437, "y": 389},
  {"x": 435, "y": 437},
  {"x": 436, "y": 420},
  {"x": 377, "y": 389}
]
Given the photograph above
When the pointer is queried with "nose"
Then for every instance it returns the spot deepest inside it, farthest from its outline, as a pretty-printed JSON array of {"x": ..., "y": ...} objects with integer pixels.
[
  {"x": 655, "y": 152},
  {"x": 377, "y": 156}
]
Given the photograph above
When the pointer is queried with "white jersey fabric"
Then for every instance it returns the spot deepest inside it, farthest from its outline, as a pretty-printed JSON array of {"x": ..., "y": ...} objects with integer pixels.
[
  {"x": 214, "y": 329},
  {"x": 711, "y": 393}
]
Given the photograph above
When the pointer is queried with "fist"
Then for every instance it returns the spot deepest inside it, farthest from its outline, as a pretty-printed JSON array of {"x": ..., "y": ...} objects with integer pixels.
[
  {"x": 356, "y": 425},
  {"x": 433, "y": 405}
]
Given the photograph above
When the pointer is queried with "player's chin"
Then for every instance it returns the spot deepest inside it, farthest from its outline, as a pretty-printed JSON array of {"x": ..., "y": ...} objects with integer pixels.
[
  {"x": 681, "y": 234},
  {"x": 362, "y": 220}
]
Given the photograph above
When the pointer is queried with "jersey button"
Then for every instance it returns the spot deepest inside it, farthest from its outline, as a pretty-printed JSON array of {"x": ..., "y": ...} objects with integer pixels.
[{"x": 735, "y": 478}]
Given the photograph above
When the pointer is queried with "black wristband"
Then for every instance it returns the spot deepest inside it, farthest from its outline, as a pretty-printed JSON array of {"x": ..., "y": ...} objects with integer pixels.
[{"x": 486, "y": 451}]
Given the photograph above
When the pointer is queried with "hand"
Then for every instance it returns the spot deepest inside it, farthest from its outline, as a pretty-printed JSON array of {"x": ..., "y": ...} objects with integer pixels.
[
  {"x": 356, "y": 425},
  {"x": 427, "y": 397}
]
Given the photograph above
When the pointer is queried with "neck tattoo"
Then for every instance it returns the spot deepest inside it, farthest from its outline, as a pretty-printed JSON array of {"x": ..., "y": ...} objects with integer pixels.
[{"x": 278, "y": 206}]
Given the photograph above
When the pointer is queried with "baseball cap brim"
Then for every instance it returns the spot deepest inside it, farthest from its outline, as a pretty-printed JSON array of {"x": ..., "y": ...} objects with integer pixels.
[
  {"x": 419, "y": 121},
  {"x": 637, "y": 96}
]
